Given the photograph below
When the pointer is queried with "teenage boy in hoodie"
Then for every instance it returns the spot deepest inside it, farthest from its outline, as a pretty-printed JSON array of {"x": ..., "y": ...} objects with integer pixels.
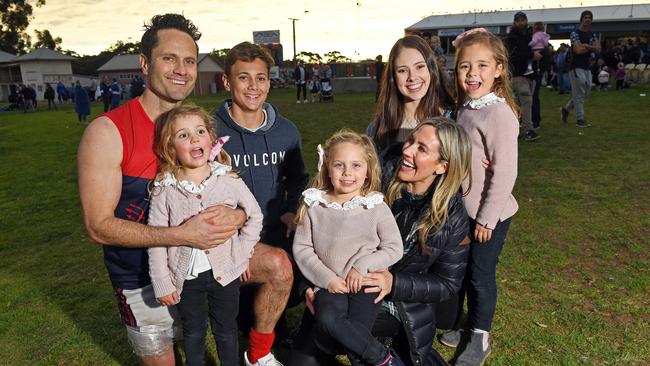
[{"x": 265, "y": 150}]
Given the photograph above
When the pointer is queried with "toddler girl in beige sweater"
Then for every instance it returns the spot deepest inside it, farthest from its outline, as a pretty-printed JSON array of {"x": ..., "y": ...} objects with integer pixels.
[{"x": 345, "y": 230}]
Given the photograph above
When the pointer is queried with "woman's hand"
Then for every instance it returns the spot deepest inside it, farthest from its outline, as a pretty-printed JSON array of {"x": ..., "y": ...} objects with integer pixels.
[
  {"x": 337, "y": 286},
  {"x": 353, "y": 281},
  {"x": 289, "y": 220},
  {"x": 169, "y": 300},
  {"x": 379, "y": 281},
  {"x": 482, "y": 234}
]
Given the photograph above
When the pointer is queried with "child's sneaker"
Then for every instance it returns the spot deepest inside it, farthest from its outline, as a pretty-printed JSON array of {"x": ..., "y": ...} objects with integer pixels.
[
  {"x": 476, "y": 351},
  {"x": 451, "y": 338},
  {"x": 268, "y": 360}
]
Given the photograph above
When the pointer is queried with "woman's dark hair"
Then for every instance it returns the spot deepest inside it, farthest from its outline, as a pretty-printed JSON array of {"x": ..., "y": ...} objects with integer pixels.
[
  {"x": 390, "y": 107},
  {"x": 149, "y": 39}
]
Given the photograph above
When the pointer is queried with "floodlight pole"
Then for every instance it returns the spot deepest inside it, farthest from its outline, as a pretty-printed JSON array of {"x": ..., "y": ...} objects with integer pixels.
[{"x": 293, "y": 22}]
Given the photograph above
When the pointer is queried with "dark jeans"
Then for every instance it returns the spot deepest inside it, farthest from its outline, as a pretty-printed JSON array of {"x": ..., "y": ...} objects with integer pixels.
[
  {"x": 348, "y": 318},
  {"x": 388, "y": 329},
  {"x": 481, "y": 278},
  {"x": 302, "y": 87},
  {"x": 200, "y": 297}
]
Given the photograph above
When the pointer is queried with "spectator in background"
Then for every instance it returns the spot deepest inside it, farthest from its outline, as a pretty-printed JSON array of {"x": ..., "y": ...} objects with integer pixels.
[
  {"x": 562, "y": 69},
  {"x": 49, "y": 96},
  {"x": 60, "y": 91},
  {"x": 539, "y": 43},
  {"x": 116, "y": 94},
  {"x": 105, "y": 93},
  {"x": 583, "y": 44},
  {"x": 517, "y": 43},
  {"x": 92, "y": 89},
  {"x": 620, "y": 76},
  {"x": 379, "y": 72},
  {"x": 300, "y": 76},
  {"x": 603, "y": 78},
  {"x": 81, "y": 103},
  {"x": 436, "y": 47}
]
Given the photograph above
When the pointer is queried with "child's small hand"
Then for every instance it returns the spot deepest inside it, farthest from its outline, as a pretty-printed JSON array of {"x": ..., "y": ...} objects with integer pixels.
[
  {"x": 353, "y": 280},
  {"x": 337, "y": 286},
  {"x": 247, "y": 273},
  {"x": 482, "y": 234},
  {"x": 169, "y": 300}
]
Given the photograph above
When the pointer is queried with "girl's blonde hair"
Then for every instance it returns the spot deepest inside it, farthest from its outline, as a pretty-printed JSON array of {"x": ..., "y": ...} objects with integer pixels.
[
  {"x": 502, "y": 86},
  {"x": 322, "y": 179},
  {"x": 163, "y": 143},
  {"x": 456, "y": 151}
]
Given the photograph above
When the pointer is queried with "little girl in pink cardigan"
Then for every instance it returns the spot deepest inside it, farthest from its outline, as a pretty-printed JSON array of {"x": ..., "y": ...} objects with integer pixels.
[
  {"x": 194, "y": 175},
  {"x": 345, "y": 230}
]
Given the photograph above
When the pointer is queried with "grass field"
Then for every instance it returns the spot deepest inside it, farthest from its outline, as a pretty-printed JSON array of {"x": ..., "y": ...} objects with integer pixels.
[{"x": 574, "y": 275}]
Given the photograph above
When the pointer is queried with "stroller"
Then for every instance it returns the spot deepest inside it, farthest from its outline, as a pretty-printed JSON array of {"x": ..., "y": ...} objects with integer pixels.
[{"x": 326, "y": 90}]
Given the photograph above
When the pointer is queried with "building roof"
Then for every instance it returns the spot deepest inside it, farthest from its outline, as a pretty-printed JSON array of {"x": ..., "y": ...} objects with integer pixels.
[
  {"x": 612, "y": 13},
  {"x": 44, "y": 53},
  {"x": 6, "y": 57},
  {"x": 131, "y": 62}
]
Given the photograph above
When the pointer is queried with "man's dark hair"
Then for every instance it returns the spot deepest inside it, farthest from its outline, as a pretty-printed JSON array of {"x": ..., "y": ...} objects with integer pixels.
[
  {"x": 585, "y": 13},
  {"x": 167, "y": 21},
  {"x": 247, "y": 52}
]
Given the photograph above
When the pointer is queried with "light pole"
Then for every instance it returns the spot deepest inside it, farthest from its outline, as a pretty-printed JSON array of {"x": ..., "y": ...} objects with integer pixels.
[{"x": 293, "y": 22}]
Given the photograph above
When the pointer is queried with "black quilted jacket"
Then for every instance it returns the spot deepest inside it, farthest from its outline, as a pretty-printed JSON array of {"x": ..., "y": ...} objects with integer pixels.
[{"x": 421, "y": 280}]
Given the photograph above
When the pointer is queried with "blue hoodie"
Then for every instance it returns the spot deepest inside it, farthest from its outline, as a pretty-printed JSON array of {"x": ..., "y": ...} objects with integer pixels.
[{"x": 269, "y": 161}]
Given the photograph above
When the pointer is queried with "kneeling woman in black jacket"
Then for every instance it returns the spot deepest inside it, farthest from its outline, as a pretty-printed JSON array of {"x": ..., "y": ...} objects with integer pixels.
[{"x": 423, "y": 192}]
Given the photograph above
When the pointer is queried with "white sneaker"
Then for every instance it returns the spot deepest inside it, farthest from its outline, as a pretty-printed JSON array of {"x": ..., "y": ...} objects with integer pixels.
[
  {"x": 305, "y": 101},
  {"x": 297, "y": 102},
  {"x": 268, "y": 360}
]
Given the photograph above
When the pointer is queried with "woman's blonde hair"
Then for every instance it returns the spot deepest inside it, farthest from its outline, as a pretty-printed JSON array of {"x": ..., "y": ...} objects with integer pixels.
[
  {"x": 163, "y": 142},
  {"x": 322, "y": 179},
  {"x": 502, "y": 86},
  {"x": 455, "y": 150}
]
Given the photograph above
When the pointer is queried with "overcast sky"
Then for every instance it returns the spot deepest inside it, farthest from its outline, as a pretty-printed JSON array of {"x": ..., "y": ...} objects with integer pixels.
[{"x": 357, "y": 28}]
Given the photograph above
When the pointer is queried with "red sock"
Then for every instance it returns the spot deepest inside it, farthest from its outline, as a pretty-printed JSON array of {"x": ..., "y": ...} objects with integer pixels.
[{"x": 259, "y": 345}]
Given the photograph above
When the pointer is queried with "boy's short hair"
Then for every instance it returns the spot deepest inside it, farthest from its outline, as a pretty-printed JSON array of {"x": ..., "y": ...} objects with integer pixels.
[
  {"x": 247, "y": 52},
  {"x": 586, "y": 13}
]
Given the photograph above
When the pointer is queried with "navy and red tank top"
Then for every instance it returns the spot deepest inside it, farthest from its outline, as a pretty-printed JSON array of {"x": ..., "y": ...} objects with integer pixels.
[{"x": 128, "y": 268}]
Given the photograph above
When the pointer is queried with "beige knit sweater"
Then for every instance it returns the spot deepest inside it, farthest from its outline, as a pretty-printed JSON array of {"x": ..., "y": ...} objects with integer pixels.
[
  {"x": 172, "y": 205},
  {"x": 493, "y": 129},
  {"x": 332, "y": 239}
]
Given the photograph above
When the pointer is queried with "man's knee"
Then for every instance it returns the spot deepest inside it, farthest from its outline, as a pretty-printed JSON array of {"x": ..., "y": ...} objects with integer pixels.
[{"x": 278, "y": 268}]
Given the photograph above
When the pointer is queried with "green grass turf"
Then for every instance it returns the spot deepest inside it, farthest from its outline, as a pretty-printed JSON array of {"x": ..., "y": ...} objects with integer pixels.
[{"x": 573, "y": 278}]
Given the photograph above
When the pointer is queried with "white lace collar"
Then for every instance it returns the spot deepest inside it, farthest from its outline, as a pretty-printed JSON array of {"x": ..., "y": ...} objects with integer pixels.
[
  {"x": 216, "y": 169},
  {"x": 487, "y": 99},
  {"x": 313, "y": 197}
]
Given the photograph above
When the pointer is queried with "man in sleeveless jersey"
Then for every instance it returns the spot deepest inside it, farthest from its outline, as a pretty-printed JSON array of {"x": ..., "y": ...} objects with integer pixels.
[{"x": 115, "y": 164}]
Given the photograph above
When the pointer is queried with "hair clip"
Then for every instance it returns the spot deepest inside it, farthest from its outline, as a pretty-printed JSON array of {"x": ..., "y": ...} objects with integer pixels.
[
  {"x": 459, "y": 39},
  {"x": 216, "y": 148}
]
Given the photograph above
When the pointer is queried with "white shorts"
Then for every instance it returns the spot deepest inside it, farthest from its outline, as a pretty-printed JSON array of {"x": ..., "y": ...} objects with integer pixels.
[{"x": 150, "y": 327}]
